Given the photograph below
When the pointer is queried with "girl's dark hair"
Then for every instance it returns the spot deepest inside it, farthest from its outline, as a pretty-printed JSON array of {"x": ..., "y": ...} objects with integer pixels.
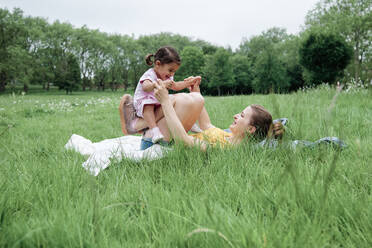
[{"x": 165, "y": 55}]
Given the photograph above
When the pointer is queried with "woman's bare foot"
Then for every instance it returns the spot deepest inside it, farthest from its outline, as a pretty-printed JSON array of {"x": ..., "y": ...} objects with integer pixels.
[{"x": 128, "y": 116}]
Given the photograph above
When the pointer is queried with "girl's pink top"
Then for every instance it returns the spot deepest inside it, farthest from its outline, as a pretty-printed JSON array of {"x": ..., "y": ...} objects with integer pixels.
[{"x": 140, "y": 96}]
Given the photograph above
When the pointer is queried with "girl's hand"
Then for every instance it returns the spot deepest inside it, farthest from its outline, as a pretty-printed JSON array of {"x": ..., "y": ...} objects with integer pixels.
[
  {"x": 168, "y": 83},
  {"x": 161, "y": 92},
  {"x": 194, "y": 83},
  {"x": 189, "y": 81},
  {"x": 193, "y": 80}
]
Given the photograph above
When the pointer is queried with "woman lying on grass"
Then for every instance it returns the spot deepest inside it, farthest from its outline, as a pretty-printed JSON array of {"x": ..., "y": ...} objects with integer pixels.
[{"x": 179, "y": 112}]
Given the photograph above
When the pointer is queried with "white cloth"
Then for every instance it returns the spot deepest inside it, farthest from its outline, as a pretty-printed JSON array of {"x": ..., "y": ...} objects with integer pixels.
[{"x": 101, "y": 153}]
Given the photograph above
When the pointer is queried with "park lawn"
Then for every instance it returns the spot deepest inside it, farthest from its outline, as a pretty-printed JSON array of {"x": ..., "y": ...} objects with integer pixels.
[{"x": 241, "y": 197}]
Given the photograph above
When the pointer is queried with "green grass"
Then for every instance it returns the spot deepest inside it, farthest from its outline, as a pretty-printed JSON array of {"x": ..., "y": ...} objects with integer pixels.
[{"x": 241, "y": 197}]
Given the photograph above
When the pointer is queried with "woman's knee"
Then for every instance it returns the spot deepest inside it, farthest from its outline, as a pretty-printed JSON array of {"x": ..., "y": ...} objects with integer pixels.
[
  {"x": 189, "y": 100},
  {"x": 197, "y": 98}
]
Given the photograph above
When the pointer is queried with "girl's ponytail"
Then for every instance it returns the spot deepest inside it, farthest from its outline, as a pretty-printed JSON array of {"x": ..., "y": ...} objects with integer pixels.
[
  {"x": 165, "y": 55},
  {"x": 148, "y": 59}
]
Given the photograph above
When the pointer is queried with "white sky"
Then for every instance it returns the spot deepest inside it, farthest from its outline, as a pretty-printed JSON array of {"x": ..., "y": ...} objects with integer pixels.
[{"x": 222, "y": 23}]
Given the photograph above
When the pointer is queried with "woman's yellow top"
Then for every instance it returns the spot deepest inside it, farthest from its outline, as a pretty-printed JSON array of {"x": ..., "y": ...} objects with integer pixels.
[{"x": 213, "y": 136}]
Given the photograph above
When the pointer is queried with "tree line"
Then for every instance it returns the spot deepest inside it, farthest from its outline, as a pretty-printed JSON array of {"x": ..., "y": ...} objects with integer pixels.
[{"x": 335, "y": 44}]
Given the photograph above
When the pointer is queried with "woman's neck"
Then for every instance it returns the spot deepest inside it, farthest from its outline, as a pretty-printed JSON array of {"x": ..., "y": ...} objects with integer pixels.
[{"x": 235, "y": 139}]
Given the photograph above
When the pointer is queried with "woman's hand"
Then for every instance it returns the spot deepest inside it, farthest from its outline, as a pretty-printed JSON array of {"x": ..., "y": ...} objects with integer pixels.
[
  {"x": 278, "y": 130},
  {"x": 160, "y": 91}
]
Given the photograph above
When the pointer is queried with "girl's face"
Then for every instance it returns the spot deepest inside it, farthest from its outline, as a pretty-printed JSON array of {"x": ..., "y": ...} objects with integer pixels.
[
  {"x": 165, "y": 71},
  {"x": 241, "y": 124}
]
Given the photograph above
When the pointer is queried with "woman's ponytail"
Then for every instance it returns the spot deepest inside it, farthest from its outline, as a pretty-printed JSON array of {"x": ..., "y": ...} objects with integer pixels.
[
  {"x": 148, "y": 59},
  {"x": 278, "y": 130},
  {"x": 270, "y": 132}
]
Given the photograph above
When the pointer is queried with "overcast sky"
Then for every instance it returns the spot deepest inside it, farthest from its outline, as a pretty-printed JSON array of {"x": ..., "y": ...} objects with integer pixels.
[{"x": 222, "y": 23}]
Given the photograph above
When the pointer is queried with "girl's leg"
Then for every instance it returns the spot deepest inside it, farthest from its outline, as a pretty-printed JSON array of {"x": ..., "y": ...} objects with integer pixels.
[
  {"x": 142, "y": 124},
  {"x": 149, "y": 115}
]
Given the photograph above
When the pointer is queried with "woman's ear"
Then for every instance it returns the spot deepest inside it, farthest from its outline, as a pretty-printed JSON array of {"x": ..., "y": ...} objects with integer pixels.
[
  {"x": 251, "y": 129},
  {"x": 157, "y": 62}
]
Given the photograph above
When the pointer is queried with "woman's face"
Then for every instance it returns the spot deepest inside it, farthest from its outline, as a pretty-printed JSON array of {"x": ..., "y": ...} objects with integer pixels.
[
  {"x": 241, "y": 123},
  {"x": 165, "y": 71}
]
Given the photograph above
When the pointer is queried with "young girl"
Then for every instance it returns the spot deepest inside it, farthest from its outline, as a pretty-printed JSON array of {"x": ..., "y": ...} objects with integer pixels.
[{"x": 165, "y": 63}]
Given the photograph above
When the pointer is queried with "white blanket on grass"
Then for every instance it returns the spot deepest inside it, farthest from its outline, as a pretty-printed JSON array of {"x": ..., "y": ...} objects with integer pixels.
[{"x": 101, "y": 153}]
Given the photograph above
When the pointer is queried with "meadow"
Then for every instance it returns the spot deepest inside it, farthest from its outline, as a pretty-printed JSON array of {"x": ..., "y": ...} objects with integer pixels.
[{"x": 241, "y": 197}]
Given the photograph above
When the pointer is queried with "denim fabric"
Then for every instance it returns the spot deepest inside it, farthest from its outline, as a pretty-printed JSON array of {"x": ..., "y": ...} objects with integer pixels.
[
  {"x": 334, "y": 141},
  {"x": 147, "y": 142}
]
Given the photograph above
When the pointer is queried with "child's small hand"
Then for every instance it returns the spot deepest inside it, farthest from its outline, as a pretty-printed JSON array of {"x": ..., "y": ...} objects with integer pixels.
[
  {"x": 193, "y": 80},
  {"x": 168, "y": 83},
  {"x": 189, "y": 81}
]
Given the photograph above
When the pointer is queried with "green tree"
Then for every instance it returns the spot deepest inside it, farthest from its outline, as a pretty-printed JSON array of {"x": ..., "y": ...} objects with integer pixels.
[
  {"x": 325, "y": 56},
  {"x": 136, "y": 62},
  {"x": 352, "y": 19},
  {"x": 243, "y": 74},
  {"x": 270, "y": 74},
  {"x": 84, "y": 46},
  {"x": 56, "y": 50},
  {"x": 14, "y": 57},
  {"x": 289, "y": 55},
  {"x": 192, "y": 62},
  {"x": 266, "y": 55},
  {"x": 118, "y": 58},
  {"x": 35, "y": 44},
  {"x": 68, "y": 74},
  {"x": 218, "y": 73}
]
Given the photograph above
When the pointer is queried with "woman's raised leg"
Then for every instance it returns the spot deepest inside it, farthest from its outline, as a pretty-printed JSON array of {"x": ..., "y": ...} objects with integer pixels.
[{"x": 188, "y": 107}]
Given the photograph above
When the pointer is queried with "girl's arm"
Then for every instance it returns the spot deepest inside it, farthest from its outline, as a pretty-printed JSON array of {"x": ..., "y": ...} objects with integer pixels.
[
  {"x": 148, "y": 85},
  {"x": 174, "y": 124},
  {"x": 187, "y": 82}
]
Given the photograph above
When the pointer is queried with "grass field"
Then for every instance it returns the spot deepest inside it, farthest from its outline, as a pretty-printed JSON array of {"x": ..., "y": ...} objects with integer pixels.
[{"x": 240, "y": 197}]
